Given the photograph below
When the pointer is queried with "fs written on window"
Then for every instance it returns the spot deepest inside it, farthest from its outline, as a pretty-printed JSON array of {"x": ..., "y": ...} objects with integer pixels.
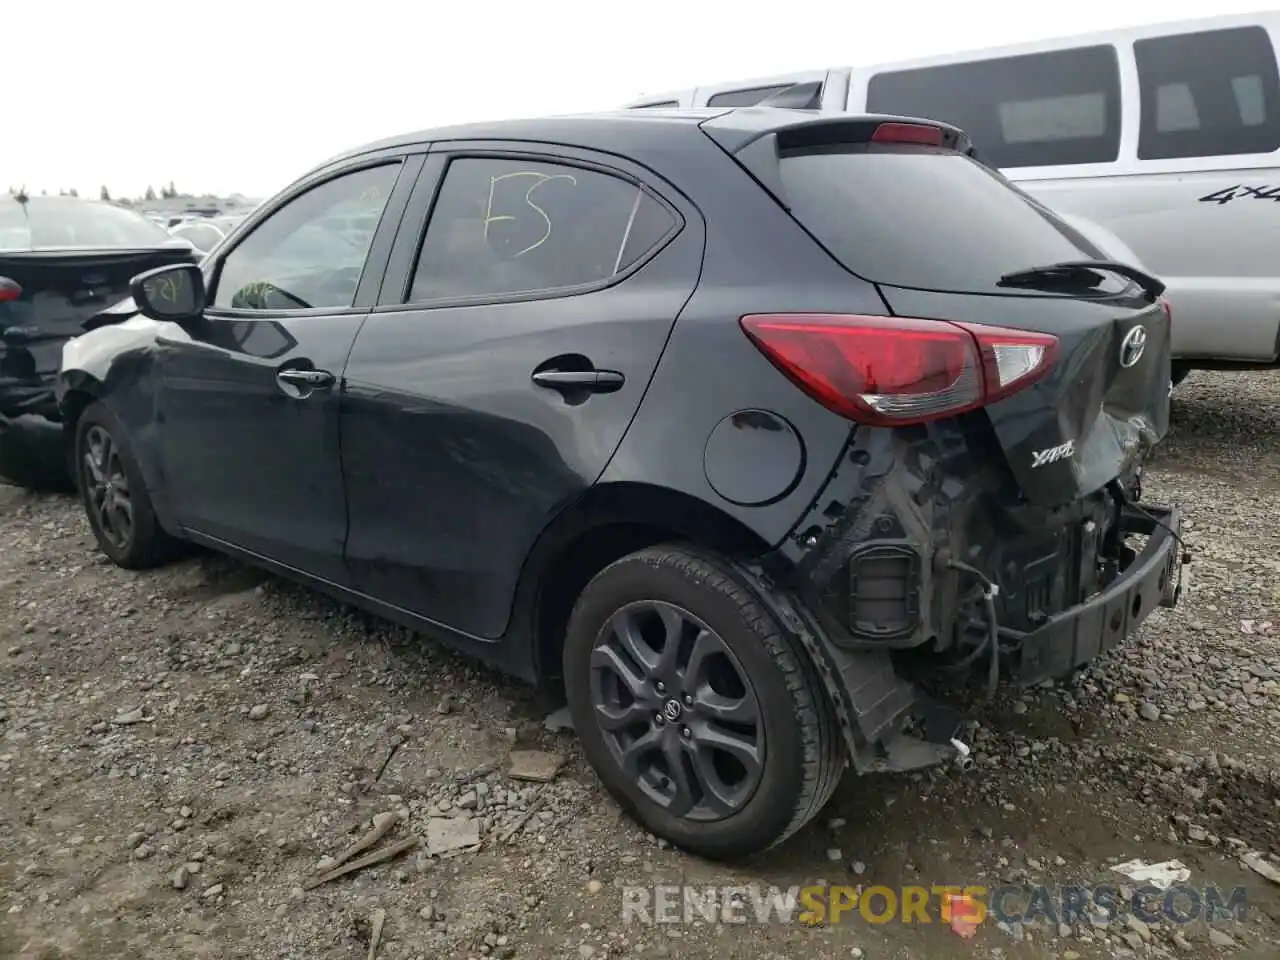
[
  {"x": 1208, "y": 94},
  {"x": 308, "y": 254},
  {"x": 504, "y": 226},
  {"x": 1040, "y": 109}
]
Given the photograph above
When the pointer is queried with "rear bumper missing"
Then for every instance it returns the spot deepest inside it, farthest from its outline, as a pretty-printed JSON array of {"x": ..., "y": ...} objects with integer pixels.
[{"x": 1077, "y": 635}]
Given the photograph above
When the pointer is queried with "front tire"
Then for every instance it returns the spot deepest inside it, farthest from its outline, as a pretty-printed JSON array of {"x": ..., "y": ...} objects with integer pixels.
[
  {"x": 115, "y": 495},
  {"x": 703, "y": 719}
]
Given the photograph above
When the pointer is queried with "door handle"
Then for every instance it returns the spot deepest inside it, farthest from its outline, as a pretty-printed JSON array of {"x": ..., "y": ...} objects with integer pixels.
[
  {"x": 592, "y": 381},
  {"x": 307, "y": 379}
]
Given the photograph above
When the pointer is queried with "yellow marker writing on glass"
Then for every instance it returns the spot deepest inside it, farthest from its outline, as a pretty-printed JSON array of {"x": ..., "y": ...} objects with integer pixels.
[{"x": 539, "y": 179}]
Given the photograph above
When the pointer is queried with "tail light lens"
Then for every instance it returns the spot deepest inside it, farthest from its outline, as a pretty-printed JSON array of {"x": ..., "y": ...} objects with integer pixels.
[
  {"x": 918, "y": 133},
  {"x": 9, "y": 290},
  {"x": 896, "y": 371}
]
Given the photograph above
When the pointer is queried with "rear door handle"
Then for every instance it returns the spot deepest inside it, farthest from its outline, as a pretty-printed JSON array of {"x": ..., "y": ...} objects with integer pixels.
[
  {"x": 594, "y": 381},
  {"x": 306, "y": 379}
]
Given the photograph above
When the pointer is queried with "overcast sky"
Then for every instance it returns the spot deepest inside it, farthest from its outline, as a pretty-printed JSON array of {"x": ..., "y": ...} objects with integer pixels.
[{"x": 244, "y": 95}]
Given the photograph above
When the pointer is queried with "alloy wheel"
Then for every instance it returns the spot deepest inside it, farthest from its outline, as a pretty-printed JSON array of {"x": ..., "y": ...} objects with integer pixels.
[
  {"x": 107, "y": 488},
  {"x": 677, "y": 711}
]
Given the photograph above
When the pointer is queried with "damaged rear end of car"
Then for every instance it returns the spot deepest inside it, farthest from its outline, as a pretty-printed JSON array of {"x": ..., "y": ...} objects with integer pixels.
[{"x": 986, "y": 515}]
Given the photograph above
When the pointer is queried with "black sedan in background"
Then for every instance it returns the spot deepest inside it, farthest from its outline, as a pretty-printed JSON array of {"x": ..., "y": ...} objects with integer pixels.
[
  {"x": 733, "y": 424},
  {"x": 62, "y": 260}
]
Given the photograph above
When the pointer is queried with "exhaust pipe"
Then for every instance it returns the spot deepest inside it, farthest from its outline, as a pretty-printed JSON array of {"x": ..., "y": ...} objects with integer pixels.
[{"x": 964, "y": 758}]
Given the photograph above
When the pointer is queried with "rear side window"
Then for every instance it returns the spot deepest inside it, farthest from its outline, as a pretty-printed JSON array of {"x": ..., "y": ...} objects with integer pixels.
[
  {"x": 509, "y": 226},
  {"x": 747, "y": 97},
  {"x": 1039, "y": 109},
  {"x": 1208, "y": 94},
  {"x": 663, "y": 105},
  {"x": 923, "y": 218}
]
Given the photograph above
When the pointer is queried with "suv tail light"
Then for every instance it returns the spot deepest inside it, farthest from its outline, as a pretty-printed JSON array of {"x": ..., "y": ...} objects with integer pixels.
[
  {"x": 9, "y": 290},
  {"x": 896, "y": 371}
]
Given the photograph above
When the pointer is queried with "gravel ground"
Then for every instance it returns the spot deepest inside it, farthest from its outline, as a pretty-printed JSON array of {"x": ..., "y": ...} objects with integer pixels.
[{"x": 180, "y": 749}]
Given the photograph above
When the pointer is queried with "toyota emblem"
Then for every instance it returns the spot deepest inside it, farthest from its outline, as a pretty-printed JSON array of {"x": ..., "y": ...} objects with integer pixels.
[
  {"x": 672, "y": 710},
  {"x": 1133, "y": 346}
]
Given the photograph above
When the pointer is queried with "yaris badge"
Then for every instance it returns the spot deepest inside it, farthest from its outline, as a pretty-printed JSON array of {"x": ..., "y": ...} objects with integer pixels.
[{"x": 1132, "y": 346}]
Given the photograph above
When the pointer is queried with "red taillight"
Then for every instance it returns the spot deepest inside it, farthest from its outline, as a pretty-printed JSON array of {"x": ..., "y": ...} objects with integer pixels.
[
  {"x": 9, "y": 290},
  {"x": 919, "y": 133},
  {"x": 894, "y": 371},
  {"x": 1168, "y": 310}
]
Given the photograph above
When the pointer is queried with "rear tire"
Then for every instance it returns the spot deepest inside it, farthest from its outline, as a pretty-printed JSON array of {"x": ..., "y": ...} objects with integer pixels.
[
  {"x": 750, "y": 798},
  {"x": 1179, "y": 373},
  {"x": 115, "y": 495}
]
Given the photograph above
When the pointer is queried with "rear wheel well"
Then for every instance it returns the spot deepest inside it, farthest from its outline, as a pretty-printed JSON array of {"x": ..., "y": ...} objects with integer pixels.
[{"x": 636, "y": 519}]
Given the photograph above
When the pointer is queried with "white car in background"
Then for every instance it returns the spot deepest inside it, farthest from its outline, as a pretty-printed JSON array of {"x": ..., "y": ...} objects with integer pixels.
[
  {"x": 1165, "y": 137},
  {"x": 205, "y": 233}
]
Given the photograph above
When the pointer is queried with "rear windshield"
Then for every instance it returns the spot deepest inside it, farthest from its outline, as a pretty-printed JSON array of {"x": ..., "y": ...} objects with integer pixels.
[
  {"x": 51, "y": 222},
  {"x": 924, "y": 218}
]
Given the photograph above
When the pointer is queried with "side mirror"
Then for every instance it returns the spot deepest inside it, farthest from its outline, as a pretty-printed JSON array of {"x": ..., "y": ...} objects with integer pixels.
[{"x": 174, "y": 294}]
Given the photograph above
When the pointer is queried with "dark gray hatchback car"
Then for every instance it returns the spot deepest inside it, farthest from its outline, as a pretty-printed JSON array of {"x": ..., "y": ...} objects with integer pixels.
[{"x": 744, "y": 426}]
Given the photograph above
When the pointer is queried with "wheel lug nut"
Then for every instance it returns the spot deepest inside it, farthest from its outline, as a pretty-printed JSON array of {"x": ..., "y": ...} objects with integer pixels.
[
  {"x": 659, "y": 720},
  {"x": 686, "y": 732},
  {"x": 688, "y": 700},
  {"x": 660, "y": 687}
]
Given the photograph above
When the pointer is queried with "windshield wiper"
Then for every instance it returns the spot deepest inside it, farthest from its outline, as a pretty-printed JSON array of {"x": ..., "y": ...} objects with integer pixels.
[{"x": 1081, "y": 271}]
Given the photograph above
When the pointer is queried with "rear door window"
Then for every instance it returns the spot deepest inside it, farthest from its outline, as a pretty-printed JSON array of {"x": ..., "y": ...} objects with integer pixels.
[
  {"x": 924, "y": 218},
  {"x": 1039, "y": 109},
  {"x": 1209, "y": 94},
  {"x": 504, "y": 226}
]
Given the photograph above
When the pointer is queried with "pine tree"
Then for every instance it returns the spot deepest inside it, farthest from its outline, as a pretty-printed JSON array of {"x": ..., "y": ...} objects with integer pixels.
[
  {"x": 104, "y": 194},
  {"x": 150, "y": 194},
  {"x": 73, "y": 192}
]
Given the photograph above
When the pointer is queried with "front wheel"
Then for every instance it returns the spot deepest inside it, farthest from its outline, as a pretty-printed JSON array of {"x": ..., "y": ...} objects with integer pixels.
[
  {"x": 702, "y": 718},
  {"x": 115, "y": 496}
]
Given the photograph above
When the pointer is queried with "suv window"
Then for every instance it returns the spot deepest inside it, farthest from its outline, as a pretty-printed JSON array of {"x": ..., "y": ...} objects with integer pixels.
[
  {"x": 923, "y": 218},
  {"x": 1039, "y": 109},
  {"x": 310, "y": 252},
  {"x": 748, "y": 97},
  {"x": 504, "y": 226},
  {"x": 661, "y": 105},
  {"x": 1208, "y": 94}
]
